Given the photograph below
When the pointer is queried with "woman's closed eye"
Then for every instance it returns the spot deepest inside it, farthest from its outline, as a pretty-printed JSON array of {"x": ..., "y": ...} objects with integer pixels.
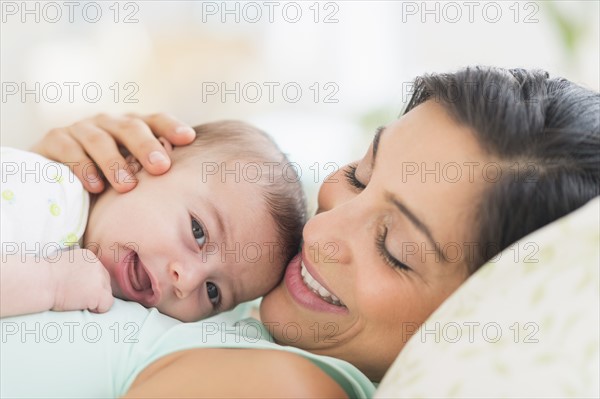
[
  {"x": 350, "y": 175},
  {"x": 198, "y": 233},
  {"x": 387, "y": 256}
]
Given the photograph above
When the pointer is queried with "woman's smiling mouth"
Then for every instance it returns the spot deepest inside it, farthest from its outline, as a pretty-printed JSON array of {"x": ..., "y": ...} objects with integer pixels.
[
  {"x": 308, "y": 291},
  {"x": 317, "y": 288}
]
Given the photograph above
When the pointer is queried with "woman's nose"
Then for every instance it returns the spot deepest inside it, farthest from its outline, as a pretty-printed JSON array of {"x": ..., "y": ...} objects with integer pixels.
[
  {"x": 186, "y": 278},
  {"x": 327, "y": 237},
  {"x": 334, "y": 192}
]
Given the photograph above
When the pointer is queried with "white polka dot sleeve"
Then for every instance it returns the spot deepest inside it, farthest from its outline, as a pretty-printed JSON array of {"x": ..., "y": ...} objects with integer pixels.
[{"x": 44, "y": 207}]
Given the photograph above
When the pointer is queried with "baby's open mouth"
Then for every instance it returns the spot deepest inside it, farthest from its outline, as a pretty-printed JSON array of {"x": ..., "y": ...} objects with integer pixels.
[
  {"x": 140, "y": 280},
  {"x": 141, "y": 286}
]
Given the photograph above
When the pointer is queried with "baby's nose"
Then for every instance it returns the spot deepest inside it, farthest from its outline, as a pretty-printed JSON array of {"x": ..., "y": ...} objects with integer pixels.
[{"x": 186, "y": 278}]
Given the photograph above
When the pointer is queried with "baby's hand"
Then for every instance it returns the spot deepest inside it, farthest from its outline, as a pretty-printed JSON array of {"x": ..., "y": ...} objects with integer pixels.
[{"x": 81, "y": 282}]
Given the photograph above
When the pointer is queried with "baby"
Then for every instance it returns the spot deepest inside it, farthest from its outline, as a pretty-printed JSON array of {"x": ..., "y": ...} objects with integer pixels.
[{"x": 214, "y": 231}]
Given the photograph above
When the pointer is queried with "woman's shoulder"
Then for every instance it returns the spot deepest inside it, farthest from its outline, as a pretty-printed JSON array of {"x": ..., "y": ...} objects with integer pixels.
[
  {"x": 235, "y": 372},
  {"x": 247, "y": 347}
]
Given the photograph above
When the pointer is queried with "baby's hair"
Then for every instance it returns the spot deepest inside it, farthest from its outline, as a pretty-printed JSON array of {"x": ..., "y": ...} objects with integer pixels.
[{"x": 230, "y": 140}]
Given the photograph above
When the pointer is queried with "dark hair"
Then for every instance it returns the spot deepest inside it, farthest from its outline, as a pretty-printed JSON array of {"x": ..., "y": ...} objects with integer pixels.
[
  {"x": 548, "y": 126},
  {"x": 230, "y": 140}
]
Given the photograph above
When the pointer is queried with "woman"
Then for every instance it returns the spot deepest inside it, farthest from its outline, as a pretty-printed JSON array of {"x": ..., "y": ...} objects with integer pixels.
[{"x": 479, "y": 159}]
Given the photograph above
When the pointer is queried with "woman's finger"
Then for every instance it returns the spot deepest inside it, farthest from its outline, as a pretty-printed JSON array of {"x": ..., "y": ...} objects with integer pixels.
[
  {"x": 99, "y": 138},
  {"x": 138, "y": 137},
  {"x": 101, "y": 147},
  {"x": 60, "y": 146},
  {"x": 167, "y": 126}
]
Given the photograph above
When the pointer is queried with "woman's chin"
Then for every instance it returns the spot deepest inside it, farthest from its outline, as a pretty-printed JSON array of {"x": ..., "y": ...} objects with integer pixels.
[{"x": 272, "y": 306}]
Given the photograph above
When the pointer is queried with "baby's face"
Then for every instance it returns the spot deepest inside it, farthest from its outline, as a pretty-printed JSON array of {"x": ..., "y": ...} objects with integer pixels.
[{"x": 189, "y": 243}]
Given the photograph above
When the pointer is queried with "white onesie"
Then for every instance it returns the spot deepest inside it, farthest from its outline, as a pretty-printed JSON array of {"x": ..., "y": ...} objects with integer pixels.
[{"x": 44, "y": 207}]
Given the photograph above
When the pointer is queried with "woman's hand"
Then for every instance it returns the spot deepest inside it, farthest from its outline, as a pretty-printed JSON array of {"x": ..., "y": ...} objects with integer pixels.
[{"x": 92, "y": 145}]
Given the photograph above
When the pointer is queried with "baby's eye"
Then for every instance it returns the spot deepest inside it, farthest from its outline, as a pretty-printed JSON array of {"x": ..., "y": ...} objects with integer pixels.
[
  {"x": 213, "y": 293},
  {"x": 198, "y": 232}
]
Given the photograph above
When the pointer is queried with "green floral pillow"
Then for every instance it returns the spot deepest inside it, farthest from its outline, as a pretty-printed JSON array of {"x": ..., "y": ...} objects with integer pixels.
[{"x": 525, "y": 325}]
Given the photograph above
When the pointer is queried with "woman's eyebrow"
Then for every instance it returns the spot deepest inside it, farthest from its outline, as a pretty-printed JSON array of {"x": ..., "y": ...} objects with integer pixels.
[{"x": 418, "y": 223}]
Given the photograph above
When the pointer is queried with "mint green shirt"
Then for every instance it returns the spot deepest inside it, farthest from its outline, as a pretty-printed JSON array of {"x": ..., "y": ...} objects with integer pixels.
[{"x": 82, "y": 355}]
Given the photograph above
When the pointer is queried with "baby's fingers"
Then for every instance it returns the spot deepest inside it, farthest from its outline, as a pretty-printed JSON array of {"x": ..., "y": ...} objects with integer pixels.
[{"x": 104, "y": 304}]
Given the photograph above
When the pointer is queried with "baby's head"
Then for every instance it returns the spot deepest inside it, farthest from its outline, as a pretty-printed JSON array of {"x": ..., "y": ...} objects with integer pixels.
[{"x": 215, "y": 231}]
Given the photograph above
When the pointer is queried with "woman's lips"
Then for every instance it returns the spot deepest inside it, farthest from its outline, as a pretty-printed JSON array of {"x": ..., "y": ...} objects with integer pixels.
[
  {"x": 302, "y": 294},
  {"x": 136, "y": 283}
]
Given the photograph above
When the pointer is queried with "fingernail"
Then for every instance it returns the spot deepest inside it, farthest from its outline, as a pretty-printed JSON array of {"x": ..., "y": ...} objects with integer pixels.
[
  {"x": 95, "y": 184},
  {"x": 184, "y": 130},
  {"x": 123, "y": 177},
  {"x": 157, "y": 157}
]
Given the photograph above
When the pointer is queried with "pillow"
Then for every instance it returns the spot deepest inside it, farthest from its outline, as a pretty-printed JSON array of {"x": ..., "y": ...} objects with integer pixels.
[{"x": 526, "y": 324}]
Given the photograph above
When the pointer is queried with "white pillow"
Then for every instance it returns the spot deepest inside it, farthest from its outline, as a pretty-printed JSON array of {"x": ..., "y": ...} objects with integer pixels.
[{"x": 538, "y": 331}]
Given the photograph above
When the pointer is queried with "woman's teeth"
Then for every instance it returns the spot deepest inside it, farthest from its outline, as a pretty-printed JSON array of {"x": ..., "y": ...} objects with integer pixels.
[{"x": 318, "y": 288}]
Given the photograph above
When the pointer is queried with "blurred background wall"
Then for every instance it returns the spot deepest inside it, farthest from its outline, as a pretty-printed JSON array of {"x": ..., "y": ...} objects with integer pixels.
[{"x": 318, "y": 76}]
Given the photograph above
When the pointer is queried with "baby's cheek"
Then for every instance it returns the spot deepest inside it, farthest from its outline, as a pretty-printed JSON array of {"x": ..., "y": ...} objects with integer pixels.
[
  {"x": 116, "y": 290},
  {"x": 110, "y": 268},
  {"x": 273, "y": 274}
]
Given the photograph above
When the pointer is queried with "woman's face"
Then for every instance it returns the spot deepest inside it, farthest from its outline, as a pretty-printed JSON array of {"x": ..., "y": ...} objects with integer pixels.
[{"x": 370, "y": 252}]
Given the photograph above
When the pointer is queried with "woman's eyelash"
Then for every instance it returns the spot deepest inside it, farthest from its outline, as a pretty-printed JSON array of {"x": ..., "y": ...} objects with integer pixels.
[
  {"x": 350, "y": 174},
  {"x": 390, "y": 260}
]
